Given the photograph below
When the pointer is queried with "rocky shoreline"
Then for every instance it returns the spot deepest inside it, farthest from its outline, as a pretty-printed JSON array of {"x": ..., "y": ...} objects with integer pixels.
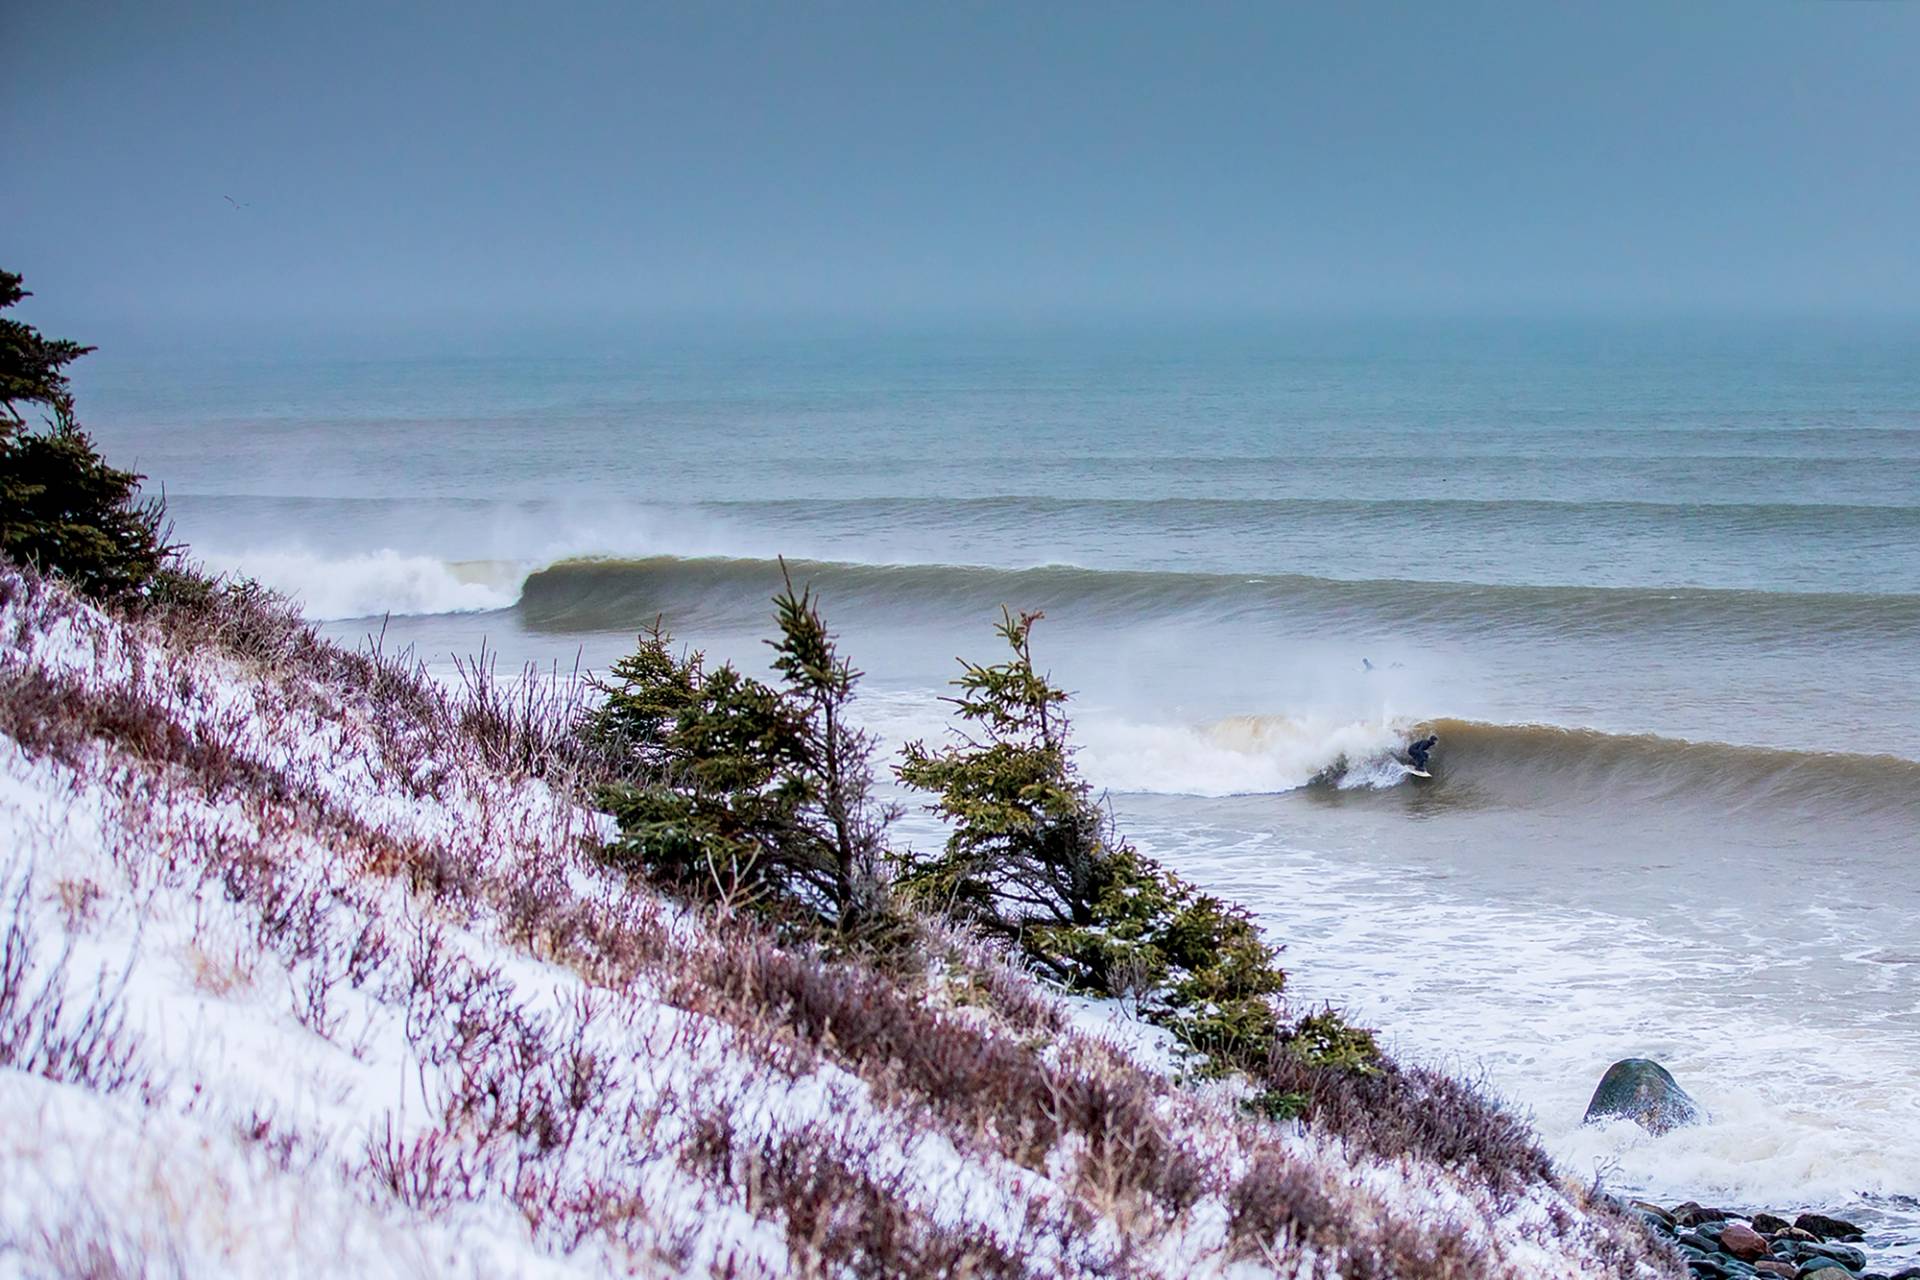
[{"x": 1722, "y": 1243}]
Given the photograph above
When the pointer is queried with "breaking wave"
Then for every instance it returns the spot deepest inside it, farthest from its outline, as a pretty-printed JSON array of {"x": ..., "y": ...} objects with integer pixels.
[
  {"x": 1543, "y": 762},
  {"x": 619, "y": 594},
  {"x": 330, "y": 588},
  {"x": 1529, "y": 765},
  {"x": 605, "y": 594},
  {"x": 1241, "y": 755}
]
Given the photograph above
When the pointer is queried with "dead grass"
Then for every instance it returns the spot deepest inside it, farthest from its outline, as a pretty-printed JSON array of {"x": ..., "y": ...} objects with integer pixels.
[
  {"x": 841, "y": 1219},
  {"x": 52, "y": 1024},
  {"x": 78, "y": 900},
  {"x": 219, "y": 971},
  {"x": 1413, "y": 1111}
]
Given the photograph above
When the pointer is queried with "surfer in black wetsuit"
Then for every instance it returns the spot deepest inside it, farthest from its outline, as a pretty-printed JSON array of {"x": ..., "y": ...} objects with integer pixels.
[{"x": 1417, "y": 751}]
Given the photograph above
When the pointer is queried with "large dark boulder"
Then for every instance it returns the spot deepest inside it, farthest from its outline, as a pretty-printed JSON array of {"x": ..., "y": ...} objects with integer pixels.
[
  {"x": 1828, "y": 1228},
  {"x": 1845, "y": 1254},
  {"x": 1690, "y": 1213},
  {"x": 1641, "y": 1090}
]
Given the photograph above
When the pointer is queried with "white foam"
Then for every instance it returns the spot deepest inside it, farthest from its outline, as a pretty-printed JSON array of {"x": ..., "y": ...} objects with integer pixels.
[
  {"x": 372, "y": 583},
  {"x": 437, "y": 542},
  {"x": 1240, "y": 755},
  {"x": 1807, "y": 1108},
  {"x": 492, "y": 562}
]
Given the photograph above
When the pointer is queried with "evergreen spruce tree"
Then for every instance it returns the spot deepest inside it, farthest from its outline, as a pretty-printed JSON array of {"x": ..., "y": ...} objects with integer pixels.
[
  {"x": 1033, "y": 858},
  {"x": 1028, "y": 849},
  {"x": 754, "y": 794},
  {"x": 62, "y": 508},
  {"x": 835, "y": 767}
]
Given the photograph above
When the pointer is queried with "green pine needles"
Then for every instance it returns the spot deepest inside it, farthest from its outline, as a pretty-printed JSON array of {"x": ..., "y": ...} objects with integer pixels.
[
  {"x": 754, "y": 795},
  {"x": 759, "y": 796},
  {"x": 1034, "y": 859},
  {"x": 63, "y": 510}
]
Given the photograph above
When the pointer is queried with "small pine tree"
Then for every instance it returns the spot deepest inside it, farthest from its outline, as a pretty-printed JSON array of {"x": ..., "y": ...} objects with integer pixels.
[
  {"x": 1028, "y": 849},
  {"x": 835, "y": 769},
  {"x": 749, "y": 793},
  {"x": 700, "y": 756},
  {"x": 1033, "y": 858},
  {"x": 62, "y": 508}
]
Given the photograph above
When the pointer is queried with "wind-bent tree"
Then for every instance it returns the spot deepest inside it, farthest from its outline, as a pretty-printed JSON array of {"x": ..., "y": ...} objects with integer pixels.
[
  {"x": 32, "y": 367},
  {"x": 1034, "y": 859},
  {"x": 1029, "y": 850},
  {"x": 752, "y": 794},
  {"x": 62, "y": 508},
  {"x": 836, "y": 765}
]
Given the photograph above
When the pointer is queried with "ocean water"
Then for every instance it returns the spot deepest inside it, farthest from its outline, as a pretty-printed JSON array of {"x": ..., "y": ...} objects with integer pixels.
[{"x": 1655, "y": 586}]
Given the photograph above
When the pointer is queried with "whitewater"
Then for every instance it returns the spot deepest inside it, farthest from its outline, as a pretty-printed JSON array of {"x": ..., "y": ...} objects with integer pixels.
[{"x": 1655, "y": 588}]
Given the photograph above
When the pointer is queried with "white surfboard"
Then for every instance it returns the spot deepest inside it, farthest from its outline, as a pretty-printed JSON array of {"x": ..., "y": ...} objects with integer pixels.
[{"x": 1417, "y": 773}]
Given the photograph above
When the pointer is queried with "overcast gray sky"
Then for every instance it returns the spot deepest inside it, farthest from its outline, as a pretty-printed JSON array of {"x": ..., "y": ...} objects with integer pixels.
[{"x": 418, "y": 161}]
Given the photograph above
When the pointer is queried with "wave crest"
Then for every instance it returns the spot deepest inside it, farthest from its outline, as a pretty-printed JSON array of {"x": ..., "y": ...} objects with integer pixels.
[
  {"x": 1241, "y": 755},
  {"x": 1535, "y": 761},
  {"x": 612, "y": 594},
  {"x": 331, "y": 588},
  {"x": 1518, "y": 765}
]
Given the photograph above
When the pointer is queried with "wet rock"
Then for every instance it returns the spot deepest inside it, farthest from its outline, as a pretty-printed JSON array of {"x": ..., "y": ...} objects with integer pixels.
[
  {"x": 1658, "y": 1223},
  {"x": 1743, "y": 1242},
  {"x": 1822, "y": 1269},
  {"x": 1847, "y": 1256},
  {"x": 1718, "y": 1244},
  {"x": 1808, "y": 1250},
  {"x": 1828, "y": 1228},
  {"x": 1691, "y": 1214},
  {"x": 1643, "y": 1091}
]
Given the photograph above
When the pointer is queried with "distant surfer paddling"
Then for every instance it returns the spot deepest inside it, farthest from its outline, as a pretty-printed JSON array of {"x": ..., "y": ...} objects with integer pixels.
[{"x": 1418, "y": 753}]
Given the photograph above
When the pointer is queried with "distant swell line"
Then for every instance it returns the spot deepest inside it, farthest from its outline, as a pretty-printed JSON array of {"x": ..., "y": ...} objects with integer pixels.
[
  {"x": 1040, "y": 504},
  {"x": 616, "y": 594}
]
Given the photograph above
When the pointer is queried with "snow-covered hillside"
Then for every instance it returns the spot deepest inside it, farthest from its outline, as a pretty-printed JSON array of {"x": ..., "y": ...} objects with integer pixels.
[{"x": 308, "y": 969}]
